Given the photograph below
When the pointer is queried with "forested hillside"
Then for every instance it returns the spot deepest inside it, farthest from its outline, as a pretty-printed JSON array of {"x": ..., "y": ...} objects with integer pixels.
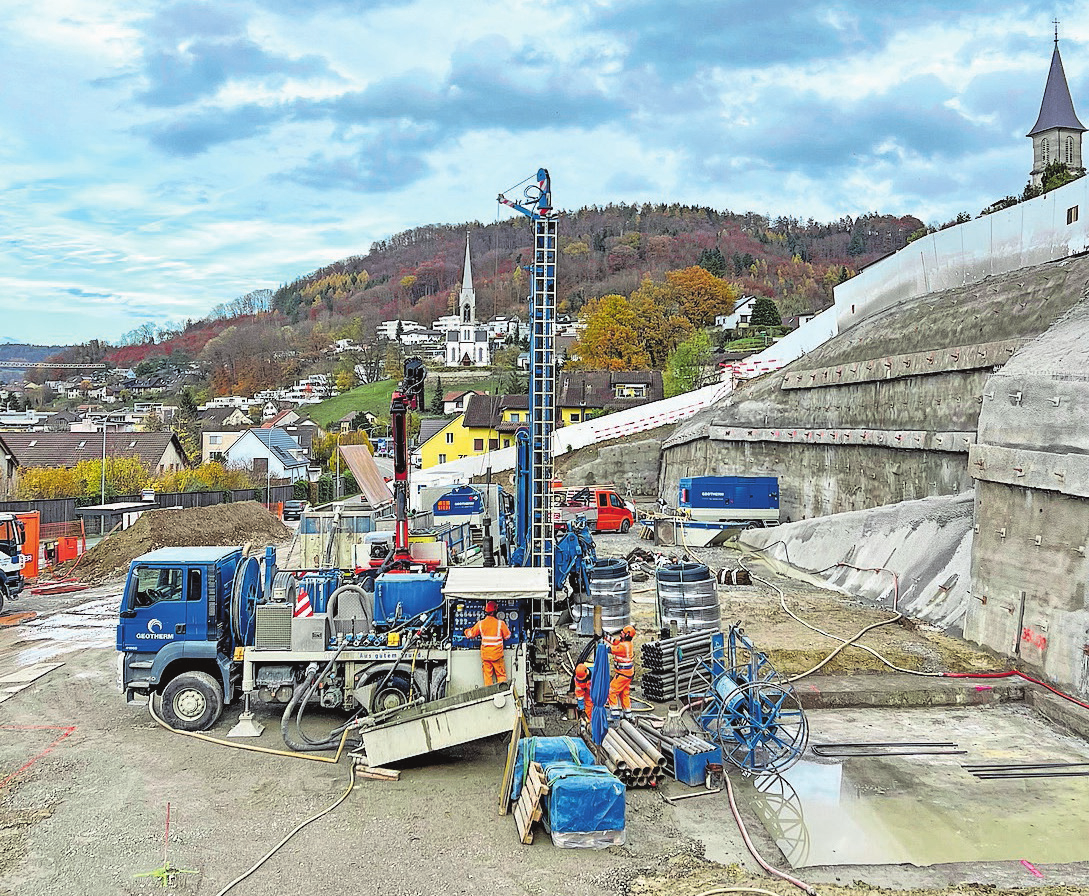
[{"x": 264, "y": 339}]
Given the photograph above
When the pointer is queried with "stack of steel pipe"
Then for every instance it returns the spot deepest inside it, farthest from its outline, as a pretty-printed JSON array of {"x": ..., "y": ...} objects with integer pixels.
[
  {"x": 686, "y": 743},
  {"x": 631, "y": 756},
  {"x": 668, "y": 664}
]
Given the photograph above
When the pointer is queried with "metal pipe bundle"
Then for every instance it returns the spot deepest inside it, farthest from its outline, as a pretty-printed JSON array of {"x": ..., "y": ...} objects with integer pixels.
[
  {"x": 632, "y": 758},
  {"x": 668, "y": 664},
  {"x": 686, "y": 743}
]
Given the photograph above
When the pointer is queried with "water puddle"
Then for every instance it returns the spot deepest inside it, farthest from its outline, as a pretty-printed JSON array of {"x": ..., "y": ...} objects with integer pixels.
[
  {"x": 877, "y": 811},
  {"x": 92, "y": 624}
]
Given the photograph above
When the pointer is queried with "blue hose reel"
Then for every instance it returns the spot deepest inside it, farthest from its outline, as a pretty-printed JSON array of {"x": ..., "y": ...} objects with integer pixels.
[{"x": 746, "y": 707}]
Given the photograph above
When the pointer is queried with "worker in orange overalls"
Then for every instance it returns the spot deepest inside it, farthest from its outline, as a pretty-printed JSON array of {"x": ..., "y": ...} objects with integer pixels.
[
  {"x": 582, "y": 690},
  {"x": 623, "y": 651},
  {"x": 492, "y": 633}
]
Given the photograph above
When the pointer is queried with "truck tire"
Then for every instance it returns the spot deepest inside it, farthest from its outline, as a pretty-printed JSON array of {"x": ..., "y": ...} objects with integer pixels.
[
  {"x": 625, "y": 525},
  {"x": 396, "y": 692},
  {"x": 192, "y": 702}
]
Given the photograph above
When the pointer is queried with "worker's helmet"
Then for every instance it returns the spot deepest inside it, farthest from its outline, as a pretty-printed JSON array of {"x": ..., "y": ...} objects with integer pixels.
[
  {"x": 490, "y": 608},
  {"x": 581, "y": 672},
  {"x": 627, "y": 633}
]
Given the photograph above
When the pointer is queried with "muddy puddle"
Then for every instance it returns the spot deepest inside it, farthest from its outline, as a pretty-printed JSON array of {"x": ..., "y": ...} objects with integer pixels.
[
  {"x": 92, "y": 624},
  {"x": 879, "y": 812}
]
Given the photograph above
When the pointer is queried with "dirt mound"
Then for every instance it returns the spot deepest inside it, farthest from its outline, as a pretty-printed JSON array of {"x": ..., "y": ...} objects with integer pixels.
[{"x": 219, "y": 524}]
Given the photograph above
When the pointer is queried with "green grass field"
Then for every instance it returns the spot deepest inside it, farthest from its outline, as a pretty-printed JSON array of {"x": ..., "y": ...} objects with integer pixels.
[{"x": 375, "y": 397}]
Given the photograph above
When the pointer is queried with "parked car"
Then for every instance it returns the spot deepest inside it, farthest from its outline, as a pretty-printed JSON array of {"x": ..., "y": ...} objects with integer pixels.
[{"x": 293, "y": 510}]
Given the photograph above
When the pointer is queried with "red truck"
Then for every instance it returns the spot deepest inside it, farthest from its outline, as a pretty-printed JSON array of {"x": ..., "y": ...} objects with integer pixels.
[{"x": 603, "y": 508}]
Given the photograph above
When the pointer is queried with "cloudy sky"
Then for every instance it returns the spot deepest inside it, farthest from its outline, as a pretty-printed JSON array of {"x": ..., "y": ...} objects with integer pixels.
[{"x": 157, "y": 159}]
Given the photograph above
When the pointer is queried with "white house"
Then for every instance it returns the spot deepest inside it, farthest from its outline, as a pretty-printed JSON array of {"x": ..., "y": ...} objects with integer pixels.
[
  {"x": 270, "y": 451},
  {"x": 388, "y": 328},
  {"x": 740, "y": 316}
]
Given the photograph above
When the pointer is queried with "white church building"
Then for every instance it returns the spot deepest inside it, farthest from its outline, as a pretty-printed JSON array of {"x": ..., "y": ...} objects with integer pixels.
[{"x": 467, "y": 343}]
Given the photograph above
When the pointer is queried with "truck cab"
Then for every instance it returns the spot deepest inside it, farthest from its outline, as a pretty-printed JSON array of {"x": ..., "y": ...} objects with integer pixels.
[
  {"x": 174, "y": 639},
  {"x": 12, "y": 558}
]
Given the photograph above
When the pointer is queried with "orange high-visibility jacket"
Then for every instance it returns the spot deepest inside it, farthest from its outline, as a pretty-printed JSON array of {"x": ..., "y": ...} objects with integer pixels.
[
  {"x": 624, "y": 658},
  {"x": 492, "y": 633}
]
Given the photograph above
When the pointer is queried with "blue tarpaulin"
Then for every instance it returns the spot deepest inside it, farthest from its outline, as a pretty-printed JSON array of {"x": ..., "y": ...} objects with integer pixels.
[
  {"x": 583, "y": 799},
  {"x": 546, "y": 751},
  {"x": 599, "y": 694}
]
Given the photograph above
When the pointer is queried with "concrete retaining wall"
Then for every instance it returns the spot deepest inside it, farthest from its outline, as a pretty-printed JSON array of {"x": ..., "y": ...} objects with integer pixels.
[{"x": 914, "y": 556}]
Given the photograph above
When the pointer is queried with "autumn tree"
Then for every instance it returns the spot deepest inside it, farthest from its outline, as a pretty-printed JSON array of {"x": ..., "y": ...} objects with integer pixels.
[
  {"x": 687, "y": 364},
  {"x": 699, "y": 295},
  {"x": 612, "y": 336}
]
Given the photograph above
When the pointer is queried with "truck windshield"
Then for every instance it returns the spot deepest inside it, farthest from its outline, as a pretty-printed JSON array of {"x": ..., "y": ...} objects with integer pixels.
[{"x": 150, "y": 586}]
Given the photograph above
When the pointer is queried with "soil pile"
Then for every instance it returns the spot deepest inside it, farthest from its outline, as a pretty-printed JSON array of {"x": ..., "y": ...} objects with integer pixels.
[{"x": 219, "y": 524}]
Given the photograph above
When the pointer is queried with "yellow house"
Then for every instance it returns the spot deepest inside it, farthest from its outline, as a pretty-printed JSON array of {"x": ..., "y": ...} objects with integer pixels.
[{"x": 488, "y": 424}]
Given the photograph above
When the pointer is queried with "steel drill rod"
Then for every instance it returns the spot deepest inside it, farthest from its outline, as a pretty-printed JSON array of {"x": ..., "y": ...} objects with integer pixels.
[
  {"x": 641, "y": 761},
  {"x": 642, "y": 742},
  {"x": 621, "y": 748}
]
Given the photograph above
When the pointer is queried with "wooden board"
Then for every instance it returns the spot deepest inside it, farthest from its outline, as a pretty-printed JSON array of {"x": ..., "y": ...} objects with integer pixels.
[
  {"x": 508, "y": 769},
  {"x": 529, "y": 808}
]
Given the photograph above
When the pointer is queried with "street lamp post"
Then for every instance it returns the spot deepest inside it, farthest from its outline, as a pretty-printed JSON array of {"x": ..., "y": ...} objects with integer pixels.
[
  {"x": 337, "y": 490},
  {"x": 103, "y": 498}
]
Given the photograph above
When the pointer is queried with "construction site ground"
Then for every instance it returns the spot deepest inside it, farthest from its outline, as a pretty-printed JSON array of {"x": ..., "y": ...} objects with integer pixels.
[{"x": 85, "y": 780}]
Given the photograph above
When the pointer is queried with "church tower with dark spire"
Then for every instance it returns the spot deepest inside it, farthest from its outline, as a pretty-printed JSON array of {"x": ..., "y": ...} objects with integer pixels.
[{"x": 1056, "y": 136}]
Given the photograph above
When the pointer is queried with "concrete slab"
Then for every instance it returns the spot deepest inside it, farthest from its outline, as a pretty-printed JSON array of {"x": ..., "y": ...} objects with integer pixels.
[
  {"x": 14, "y": 682},
  {"x": 891, "y": 690},
  {"x": 923, "y": 811}
]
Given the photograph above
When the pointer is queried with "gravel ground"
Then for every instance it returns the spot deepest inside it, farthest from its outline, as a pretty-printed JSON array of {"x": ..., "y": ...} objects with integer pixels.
[{"x": 87, "y": 816}]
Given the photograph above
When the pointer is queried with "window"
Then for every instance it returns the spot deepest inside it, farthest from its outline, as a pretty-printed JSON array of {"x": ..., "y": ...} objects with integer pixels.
[
  {"x": 493, "y": 444},
  {"x": 515, "y": 418},
  {"x": 478, "y": 444},
  {"x": 630, "y": 390},
  {"x": 1072, "y": 215},
  {"x": 193, "y": 591},
  {"x": 449, "y": 438},
  {"x": 1045, "y": 150},
  {"x": 615, "y": 501},
  {"x": 215, "y": 440},
  {"x": 575, "y": 418},
  {"x": 81, "y": 445},
  {"x": 442, "y": 458},
  {"x": 155, "y": 585},
  {"x": 506, "y": 443},
  {"x": 1069, "y": 150}
]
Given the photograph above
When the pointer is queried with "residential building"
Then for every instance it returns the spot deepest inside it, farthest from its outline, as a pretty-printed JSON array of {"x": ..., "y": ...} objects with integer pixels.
[
  {"x": 215, "y": 442},
  {"x": 217, "y": 418},
  {"x": 388, "y": 329},
  {"x": 739, "y": 318},
  {"x": 455, "y": 402},
  {"x": 158, "y": 452},
  {"x": 488, "y": 424},
  {"x": 269, "y": 451},
  {"x": 588, "y": 393}
]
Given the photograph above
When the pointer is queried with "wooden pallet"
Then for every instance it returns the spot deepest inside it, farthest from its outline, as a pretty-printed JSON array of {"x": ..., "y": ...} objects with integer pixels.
[{"x": 529, "y": 808}]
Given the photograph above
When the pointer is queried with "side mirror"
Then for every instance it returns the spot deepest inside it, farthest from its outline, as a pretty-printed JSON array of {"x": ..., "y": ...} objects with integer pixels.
[{"x": 128, "y": 614}]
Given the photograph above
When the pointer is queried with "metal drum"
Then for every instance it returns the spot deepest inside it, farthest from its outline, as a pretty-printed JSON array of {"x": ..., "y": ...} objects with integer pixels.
[
  {"x": 688, "y": 596},
  {"x": 610, "y": 589}
]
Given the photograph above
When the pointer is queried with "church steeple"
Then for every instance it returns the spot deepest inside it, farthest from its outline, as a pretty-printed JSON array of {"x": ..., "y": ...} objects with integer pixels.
[
  {"x": 1056, "y": 136},
  {"x": 467, "y": 299}
]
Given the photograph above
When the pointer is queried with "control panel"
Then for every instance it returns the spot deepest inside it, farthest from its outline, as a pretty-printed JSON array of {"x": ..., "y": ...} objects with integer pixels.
[{"x": 467, "y": 613}]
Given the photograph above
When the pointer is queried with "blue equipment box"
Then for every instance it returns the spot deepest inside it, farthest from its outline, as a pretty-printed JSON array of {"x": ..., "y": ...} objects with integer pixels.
[
  {"x": 735, "y": 492},
  {"x": 691, "y": 768},
  {"x": 398, "y": 596},
  {"x": 319, "y": 584},
  {"x": 467, "y": 613}
]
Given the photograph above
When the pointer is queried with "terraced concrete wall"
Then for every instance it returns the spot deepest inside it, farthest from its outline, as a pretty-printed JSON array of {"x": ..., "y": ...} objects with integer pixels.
[
  {"x": 983, "y": 386},
  {"x": 1031, "y": 462}
]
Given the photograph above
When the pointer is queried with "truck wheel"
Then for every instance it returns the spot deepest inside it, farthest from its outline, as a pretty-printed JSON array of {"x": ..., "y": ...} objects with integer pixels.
[
  {"x": 396, "y": 692},
  {"x": 192, "y": 702},
  {"x": 625, "y": 525},
  {"x": 3, "y": 596}
]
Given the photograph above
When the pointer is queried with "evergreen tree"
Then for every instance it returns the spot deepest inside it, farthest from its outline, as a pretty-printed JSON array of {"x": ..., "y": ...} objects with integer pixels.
[
  {"x": 765, "y": 313},
  {"x": 437, "y": 402},
  {"x": 713, "y": 261}
]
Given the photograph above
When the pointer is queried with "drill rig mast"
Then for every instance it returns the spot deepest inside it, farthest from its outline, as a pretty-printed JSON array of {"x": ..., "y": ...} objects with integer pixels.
[{"x": 536, "y": 538}]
